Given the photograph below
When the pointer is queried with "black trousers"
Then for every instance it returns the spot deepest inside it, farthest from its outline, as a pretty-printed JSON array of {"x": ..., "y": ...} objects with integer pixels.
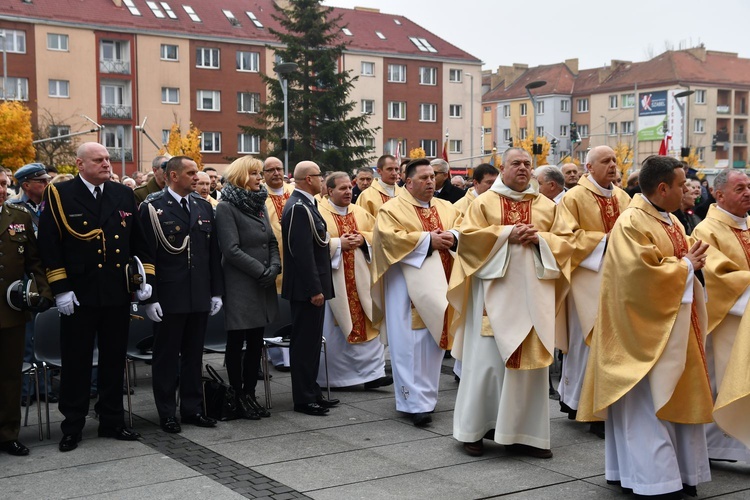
[
  {"x": 304, "y": 350},
  {"x": 109, "y": 326},
  {"x": 12, "y": 341},
  {"x": 243, "y": 373},
  {"x": 178, "y": 357}
]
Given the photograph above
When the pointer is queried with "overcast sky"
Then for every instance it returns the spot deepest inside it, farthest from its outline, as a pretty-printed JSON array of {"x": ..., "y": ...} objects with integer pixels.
[{"x": 501, "y": 32}]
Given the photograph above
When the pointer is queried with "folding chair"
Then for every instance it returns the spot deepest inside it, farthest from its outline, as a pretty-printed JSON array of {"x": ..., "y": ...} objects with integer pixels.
[{"x": 32, "y": 371}]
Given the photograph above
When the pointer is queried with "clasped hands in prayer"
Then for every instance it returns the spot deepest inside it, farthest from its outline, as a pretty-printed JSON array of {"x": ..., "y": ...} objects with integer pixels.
[
  {"x": 523, "y": 234},
  {"x": 441, "y": 240},
  {"x": 351, "y": 241}
]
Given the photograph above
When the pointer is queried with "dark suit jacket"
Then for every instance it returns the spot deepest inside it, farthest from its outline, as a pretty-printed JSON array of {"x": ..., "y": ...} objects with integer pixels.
[
  {"x": 450, "y": 192},
  {"x": 307, "y": 265},
  {"x": 184, "y": 285},
  {"x": 95, "y": 268}
]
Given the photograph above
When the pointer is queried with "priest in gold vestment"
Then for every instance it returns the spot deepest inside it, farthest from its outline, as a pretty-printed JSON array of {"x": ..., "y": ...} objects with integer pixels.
[
  {"x": 412, "y": 244},
  {"x": 726, "y": 229},
  {"x": 503, "y": 287},
  {"x": 590, "y": 210},
  {"x": 355, "y": 354},
  {"x": 383, "y": 189},
  {"x": 646, "y": 372}
]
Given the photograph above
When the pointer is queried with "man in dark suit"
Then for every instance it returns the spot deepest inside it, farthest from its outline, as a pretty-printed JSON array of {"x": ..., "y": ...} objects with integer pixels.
[
  {"x": 88, "y": 232},
  {"x": 307, "y": 284},
  {"x": 443, "y": 187},
  {"x": 180, "y": 228}
]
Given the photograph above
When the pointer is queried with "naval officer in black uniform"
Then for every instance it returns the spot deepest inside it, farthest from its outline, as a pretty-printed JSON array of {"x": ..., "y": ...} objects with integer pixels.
[
  {"x": 307, "y": 284},
  {"x": 180, "y": 227},
  {"x": 88, "y": 232}
]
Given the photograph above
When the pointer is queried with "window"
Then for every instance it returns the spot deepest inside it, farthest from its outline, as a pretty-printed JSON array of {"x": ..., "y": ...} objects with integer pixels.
[
  {"x": 369, "y": 143},
  {"x": 429, "y": 146},
  {"x": 583, "y": 105},
  {"x": 540, "y": 107},
  {"x": 455, "y": 110},
  {"x": 581, "y": 157},
  {"x": 15, "y": 41},
  {"x": 113, "y": 95},
  {"x": 248, "y": 102},
  {"x": 427, "y": 112},
  {"x": 248, "y": 144},
  {"x": 565, "y": 106},
  {"x": 209, "y": 100},
  {"x": 391, "y": 146},
  {"x": 58, "y": 131},
  {"x": 627, "y": 100},
  {"x": 487, "y": 130},
  {"x": 131, "y": 7},
  {"x": 522, "y": 133},
  {"x": 539, "y": 131},
  {"x": 230, "y": 17},
  {"x": 701, "y": 152},
  {"x": 397, "y": 110},
  {"x": 248, "y": 61},
  {"x": 368, "y": 106},
  {"x": 455, "y": 146},
  {"x": 380, "y": 35},
  {"x": 59, "y": 88},
  {"x": 427, "y": 76},
  {"x": 114, "y": 57},
  {"x": 165, "y": 135},
  {"x": 523, "y": 109},
  {"x": 170, "y": 95},
  {"x": 168, "y": 10},
  {"x": 57, "y": 42},
  {"x": 191, "y": 13},
  {"x": 487, "y": 109},
  {"x": 506, "y": 110},
  {"x": 626, "y": 128},
  {"x": 700, "y": 97},
  {"x": 397, "y": 73},
  {"x": 16, "y": 89},
  {"x": 506, "y": 134},
  {"x": 206, "y": 58},
  {"x": 254, "y": 19},
  {"x": 155, "y": 10},
  {"x": 700, "y": 126},
  {"x": 583, "y": 131},
  {"x": 613, "y": 102},
  {"x": 347, "y": 31},
  {"x": 115, "y": 139},
  {"x": 115, "y": 100},
  {"x": 211, "y": 142},
  {"x": 455, "y": 75},
  {"x": 368, "y": 68},
  {"x": 169, "y": 52},
  {"x": 564, "y": 130},
  {"x": 612, "y": 128},
  {"x": 422, "y": 44}
]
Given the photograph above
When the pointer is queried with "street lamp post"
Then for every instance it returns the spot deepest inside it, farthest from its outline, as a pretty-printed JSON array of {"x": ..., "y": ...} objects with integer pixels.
[
  {"x": 529, "y": 87},
  {"x": 283, "y": 70},
  {"x": 684, "y": 108},
  {"x": 471, "y": 120},
  {"x": 5, "y": 66},
  {"x": 606, "y": 130}
]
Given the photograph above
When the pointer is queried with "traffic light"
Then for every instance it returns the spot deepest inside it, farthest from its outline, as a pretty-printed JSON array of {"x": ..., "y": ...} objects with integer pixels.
[
  {"x": 537, "y": 148},
  {"x": 553, "y": 146},
  {"x": 684, "y": 152},
  {"x": 713, "y": 143},
  {"x": 510, "y": 142},
  {"x": 573, "y": 132}
]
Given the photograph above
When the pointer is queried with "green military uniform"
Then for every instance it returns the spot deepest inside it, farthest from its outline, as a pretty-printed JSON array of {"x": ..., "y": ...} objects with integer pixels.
[
  {"x": 18, "y": 256},
  {"x": 142, "y": 192}
]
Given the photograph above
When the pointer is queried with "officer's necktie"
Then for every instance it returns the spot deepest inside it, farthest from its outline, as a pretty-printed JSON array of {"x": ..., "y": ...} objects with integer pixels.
[
  {"x": 97, "y": 193},
  {"x": 184, "y": 204}
]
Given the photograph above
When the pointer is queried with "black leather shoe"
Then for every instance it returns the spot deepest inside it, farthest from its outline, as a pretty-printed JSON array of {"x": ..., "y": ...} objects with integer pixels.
[
  {"x": 69, "y": 442},
  {"x": 381, "y": 382},
  {"x": 421, "y": 419},
  {"x": 199, "y": 420},
  {"x": 597, "y": 429},
  {"x": 170, "y": 425},
  {"x": 119, "y": 433},
  {"x": 327, "y": 403},
  {"x": 311, "y": 409},
  {"x": 14, "y": 448}
]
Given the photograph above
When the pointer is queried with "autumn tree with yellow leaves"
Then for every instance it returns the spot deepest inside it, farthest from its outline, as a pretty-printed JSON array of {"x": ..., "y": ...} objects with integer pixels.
[
  {"x": 189, "y": 145},
  {"x": 693, "y": 160},
  {"x": 624, "y": 158},
  {"x": 527, "y": 144},
  {"x": 16, "y": 149},
  {"x": 417, "y": 153}
]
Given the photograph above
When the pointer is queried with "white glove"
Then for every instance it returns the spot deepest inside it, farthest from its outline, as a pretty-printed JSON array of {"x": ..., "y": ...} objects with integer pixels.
[
  {"x": 144, "y": 293},
  {"x": 216, "y": 304},
  {"x": 64, "y": 302},
  {"x": 153, "y": 311}
]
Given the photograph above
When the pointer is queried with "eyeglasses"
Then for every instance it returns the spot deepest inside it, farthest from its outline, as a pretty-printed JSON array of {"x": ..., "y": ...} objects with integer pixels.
[
  {"x": 274, "y": 170},
  {"x": 316, "y": 175},
  {"x": 40, "y": 181}
]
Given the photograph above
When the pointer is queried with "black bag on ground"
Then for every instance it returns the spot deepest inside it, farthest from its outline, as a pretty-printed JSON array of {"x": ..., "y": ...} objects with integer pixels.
[{"x": 219, "y": 396}]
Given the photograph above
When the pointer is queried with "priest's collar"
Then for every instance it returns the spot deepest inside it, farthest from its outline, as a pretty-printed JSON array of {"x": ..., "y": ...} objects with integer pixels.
[
  {"x": 340, "y": 210},
  {"x": 390, "y": 190},
  {"x": 663, "y": 213},
  {"x": 604, "y": 191},
  {"x": 740, "y": 221},
  {"x": 504, "y": 190},
  {"x": 275, "y": 192}
]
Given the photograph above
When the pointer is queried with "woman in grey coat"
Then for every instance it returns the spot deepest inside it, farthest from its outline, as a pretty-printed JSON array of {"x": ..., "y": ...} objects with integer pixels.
[{"x": 250, "y": 258}]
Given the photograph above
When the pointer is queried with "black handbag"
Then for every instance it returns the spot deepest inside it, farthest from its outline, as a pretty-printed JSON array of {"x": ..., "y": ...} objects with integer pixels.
[{"x": 218, "y": 396}]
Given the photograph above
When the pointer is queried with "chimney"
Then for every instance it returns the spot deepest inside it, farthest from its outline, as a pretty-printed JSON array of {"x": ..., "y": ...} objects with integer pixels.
[
  {"x": 572, "y": 65},
  {"x": 615, "y": 65},
  {"x": 367, "y": 9},
  {"x": 118, "y": 3},
  {"x": 510, "y": 74},
  {"x": 699, "y": 52}
]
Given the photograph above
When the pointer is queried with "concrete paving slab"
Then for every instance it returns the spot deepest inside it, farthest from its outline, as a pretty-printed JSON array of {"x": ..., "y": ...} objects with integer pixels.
[
  {"x": 578, "y": 460},
  {"x": 564, "y": 432},
  {"x": 574, "y": 489},
  {"x": 194, "y": 488}
]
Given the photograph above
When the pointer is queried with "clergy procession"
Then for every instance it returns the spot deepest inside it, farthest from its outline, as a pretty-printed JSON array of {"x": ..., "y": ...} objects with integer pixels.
[{"x": 525, "y": 270}]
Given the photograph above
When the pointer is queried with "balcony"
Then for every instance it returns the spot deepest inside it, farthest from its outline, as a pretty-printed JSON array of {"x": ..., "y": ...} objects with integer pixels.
[
  {"x": 722, "y": 110},
  {"x": 740, "y": 138},
  {"x": 116, "y": 111},
  {"x": 116, "y": 154},
  {"x": 117, "y": 66}
]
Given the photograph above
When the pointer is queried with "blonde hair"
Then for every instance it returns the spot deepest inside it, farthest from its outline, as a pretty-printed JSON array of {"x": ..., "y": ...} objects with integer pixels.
[
  {"x": 61, "y": 178},
  {"x": 238, "y": 172}
]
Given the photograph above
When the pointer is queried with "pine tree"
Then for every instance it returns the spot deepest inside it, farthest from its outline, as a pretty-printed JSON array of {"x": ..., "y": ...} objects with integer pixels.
[{"x": 320, "y": 120}]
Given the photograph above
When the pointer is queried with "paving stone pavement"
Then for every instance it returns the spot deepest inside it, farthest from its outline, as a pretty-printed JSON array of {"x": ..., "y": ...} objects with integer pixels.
[{"x": 364, "y": 449}]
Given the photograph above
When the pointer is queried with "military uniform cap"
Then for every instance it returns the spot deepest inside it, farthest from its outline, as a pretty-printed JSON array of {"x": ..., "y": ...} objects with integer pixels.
[{"x": 31, "y": 171}]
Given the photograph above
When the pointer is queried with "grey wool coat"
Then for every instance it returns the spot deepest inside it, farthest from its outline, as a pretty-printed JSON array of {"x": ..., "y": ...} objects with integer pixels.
[{"x": 248, "y": 247}]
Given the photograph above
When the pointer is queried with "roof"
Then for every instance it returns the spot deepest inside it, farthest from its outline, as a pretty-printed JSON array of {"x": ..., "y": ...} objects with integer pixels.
[
  {"x": 212, "y": 22},
  {"x": 559, "y": 80}
]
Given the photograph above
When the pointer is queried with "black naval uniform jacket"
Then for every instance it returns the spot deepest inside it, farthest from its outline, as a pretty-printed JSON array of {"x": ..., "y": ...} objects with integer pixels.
[
  {"x": 86, "y": 243},
  {"x": 185, "y": 282}
]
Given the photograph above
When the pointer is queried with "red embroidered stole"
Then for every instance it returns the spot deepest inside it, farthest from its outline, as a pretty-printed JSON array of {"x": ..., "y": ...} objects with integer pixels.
[
  {"x": 347, "y": 224},
  {"x": 430, "y": 220},
  {"x": 744, "y": 239},
  {"x": 384, "y": 197},
  {"x": 278, "y": 202},
  {"x": 609, "y": 210}
]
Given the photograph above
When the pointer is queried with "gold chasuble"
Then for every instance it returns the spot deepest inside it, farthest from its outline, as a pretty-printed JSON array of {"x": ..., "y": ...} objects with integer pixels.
[
  {"x": 401, "y": 226},
  {"x": 275, "y": 206},
  {"x": 372, "y": 198},
  {"x": 730, "y": 333},
  {"x": 643, "y": 329},
  {"x": 590, "y": 216},
  {"x": 463, "y": 204},
  {"x": 352, "y": 304},
  {"x": 518, "y": 282}
]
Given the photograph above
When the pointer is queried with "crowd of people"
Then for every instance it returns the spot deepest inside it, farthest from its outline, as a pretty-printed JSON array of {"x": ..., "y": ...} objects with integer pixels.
[{"x": 643, "y": 291}]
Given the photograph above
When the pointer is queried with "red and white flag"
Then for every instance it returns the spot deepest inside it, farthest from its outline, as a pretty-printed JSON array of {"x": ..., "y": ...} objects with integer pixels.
[
  {"x": 398, "y": 153},
  {"x": 664, "y": 146}
]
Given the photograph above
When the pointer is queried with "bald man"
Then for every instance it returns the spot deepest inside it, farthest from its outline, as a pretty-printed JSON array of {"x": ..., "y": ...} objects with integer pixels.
[
  {"x": 307, "y": 284},
  {"x": 571, "y": 174}
]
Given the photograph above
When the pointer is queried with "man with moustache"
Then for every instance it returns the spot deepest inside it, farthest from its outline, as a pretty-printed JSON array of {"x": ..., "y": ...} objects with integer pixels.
[{"x": 383, "y": 189}]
